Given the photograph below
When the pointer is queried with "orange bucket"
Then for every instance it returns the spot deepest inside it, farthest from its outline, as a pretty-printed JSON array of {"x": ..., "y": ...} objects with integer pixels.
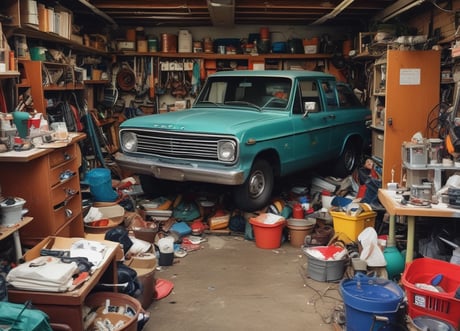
[{"x": 267, "y": 236}]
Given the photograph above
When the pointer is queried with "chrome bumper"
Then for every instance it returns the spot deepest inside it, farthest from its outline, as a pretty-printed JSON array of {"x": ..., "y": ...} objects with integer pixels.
[{"x": 179, "y": 172}]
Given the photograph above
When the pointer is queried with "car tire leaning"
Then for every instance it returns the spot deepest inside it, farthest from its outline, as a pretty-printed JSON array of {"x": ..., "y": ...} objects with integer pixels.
[{"x": 255, "y": 193}]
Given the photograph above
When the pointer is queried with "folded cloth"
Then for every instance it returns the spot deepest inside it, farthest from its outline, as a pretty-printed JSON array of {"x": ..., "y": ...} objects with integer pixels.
[{"x": 44, "y": 273}]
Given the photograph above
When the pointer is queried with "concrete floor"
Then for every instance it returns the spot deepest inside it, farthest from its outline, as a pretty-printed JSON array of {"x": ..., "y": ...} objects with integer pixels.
[{"x": 230, "y": 284}]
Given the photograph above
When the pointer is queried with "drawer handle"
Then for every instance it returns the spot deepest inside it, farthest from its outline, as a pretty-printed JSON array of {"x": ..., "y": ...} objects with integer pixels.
[
  {"x": 66, "y": 175},
  {"x": 68, "y": 213},
  {"x": 67, "y": 156},
  {"x": 70, "y": 192}
]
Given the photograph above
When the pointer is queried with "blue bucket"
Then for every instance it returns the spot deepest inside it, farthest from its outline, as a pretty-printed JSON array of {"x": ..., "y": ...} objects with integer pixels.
[
  {"x": 372, "y": 303},
  {"x": 100, "y": 185}
]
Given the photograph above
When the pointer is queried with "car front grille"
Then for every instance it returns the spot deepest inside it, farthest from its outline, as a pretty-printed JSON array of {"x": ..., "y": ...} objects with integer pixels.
[{"x": 178, "y": 145}]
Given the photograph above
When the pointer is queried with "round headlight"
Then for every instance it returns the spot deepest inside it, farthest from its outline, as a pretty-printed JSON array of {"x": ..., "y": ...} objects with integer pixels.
[
  {"x": 227, "y": 150},
  {"x": 129, "y": 141}
]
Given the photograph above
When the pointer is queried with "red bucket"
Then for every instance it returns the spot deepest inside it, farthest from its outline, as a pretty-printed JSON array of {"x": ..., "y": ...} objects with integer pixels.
[{"x": 268, "y": 236}]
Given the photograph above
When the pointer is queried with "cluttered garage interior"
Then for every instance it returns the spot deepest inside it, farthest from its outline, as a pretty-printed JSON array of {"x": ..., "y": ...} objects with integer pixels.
[{"x": 230, "y": 165}]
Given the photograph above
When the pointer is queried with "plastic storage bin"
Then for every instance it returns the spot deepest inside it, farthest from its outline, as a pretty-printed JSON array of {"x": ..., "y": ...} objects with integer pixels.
[
  {"x": 422, "y": 302},
  {"x": 352, "y": 226}
]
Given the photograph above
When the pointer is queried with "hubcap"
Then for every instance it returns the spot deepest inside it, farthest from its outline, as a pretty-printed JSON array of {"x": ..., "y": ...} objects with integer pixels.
[{"x": 256, "y": 184}]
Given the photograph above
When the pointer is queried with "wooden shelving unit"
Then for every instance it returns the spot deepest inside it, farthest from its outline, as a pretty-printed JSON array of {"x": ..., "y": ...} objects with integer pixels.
[{"x": 404, "y": 93}]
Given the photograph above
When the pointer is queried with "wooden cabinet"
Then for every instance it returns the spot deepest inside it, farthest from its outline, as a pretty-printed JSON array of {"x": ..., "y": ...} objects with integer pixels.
[
  {"x": 405, "y": 90},
  {"x": 49, "y": 181}
]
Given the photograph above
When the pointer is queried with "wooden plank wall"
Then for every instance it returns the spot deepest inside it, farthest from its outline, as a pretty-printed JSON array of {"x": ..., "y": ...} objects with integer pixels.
[{"x": 445, "y": 21}]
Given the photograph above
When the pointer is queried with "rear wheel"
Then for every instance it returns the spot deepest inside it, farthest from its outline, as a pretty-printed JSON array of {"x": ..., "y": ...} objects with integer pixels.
[
  {"x": 256, "y": 191},
  {"x": 348, "y": 160}
]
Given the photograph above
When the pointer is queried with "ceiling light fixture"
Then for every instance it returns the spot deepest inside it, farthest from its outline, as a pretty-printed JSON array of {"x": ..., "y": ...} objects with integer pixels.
[
  {"x": 336, "y": 11},
  {"x": 396, "y": 9}
]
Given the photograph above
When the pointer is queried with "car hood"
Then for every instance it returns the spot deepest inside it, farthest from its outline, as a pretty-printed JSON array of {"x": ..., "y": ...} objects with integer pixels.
[{"x": 220, "y": 120}]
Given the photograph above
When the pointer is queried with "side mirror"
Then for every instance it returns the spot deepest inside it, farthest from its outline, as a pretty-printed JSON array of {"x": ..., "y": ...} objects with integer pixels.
[{"x": 310, "y": 106}]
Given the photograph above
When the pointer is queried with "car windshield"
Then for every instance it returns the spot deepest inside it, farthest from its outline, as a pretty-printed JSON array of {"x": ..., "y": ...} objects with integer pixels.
[{"x": 252, "y": 92}]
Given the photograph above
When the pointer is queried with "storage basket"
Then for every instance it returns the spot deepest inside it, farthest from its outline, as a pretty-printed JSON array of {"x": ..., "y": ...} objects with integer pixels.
[
  {"x": 352, "y": 226},
  {"x": 441, "y": 305},
  {"x": 122, "y": 309}
]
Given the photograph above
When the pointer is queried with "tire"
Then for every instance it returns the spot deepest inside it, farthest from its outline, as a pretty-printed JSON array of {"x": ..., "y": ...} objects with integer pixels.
[
  {"x": 256, "y": 191},
  {"x": 348, "y": 161}
]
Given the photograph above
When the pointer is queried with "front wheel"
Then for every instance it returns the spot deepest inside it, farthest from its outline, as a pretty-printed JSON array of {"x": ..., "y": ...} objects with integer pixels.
[{"x": 256, "y": 191}]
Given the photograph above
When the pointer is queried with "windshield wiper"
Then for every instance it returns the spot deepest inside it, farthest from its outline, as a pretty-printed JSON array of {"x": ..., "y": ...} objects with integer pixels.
[{"x": 241, "y": 102}]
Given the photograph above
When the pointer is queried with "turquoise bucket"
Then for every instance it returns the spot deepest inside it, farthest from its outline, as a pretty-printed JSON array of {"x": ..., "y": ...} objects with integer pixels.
[{"x": 100, "y": 185}]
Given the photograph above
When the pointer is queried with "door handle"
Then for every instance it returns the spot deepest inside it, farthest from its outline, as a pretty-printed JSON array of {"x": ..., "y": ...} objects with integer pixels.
[{"x": 331, "y": 116}]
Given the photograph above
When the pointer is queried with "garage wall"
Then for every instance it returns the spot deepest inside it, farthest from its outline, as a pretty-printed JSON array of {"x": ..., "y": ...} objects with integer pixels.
[{"x": 445, "y": 21}]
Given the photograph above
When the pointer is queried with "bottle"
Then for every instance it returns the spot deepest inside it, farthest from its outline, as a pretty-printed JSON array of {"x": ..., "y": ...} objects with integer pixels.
[{"x": 297, "y": 211}]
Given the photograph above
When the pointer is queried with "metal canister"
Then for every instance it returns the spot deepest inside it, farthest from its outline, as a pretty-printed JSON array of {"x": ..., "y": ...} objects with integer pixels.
[
  {"x": 152, "y": 44},
  {"x": 168, "y": 43},
  {"x": 208, "y": 45}
]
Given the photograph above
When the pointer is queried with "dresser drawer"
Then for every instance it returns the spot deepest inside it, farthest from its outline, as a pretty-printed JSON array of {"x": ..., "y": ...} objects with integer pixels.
[
  {"x": 66, "y": 212},
  {"x": 62, "y": 155},
  {"x": 62, "y": 173},
  {"x": 64, "y": 191}
]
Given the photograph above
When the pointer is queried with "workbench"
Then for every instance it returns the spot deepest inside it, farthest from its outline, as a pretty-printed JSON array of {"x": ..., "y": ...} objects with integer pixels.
[
  {"x": 391, "y": 201},
  {"x": 66, "y": 307}
]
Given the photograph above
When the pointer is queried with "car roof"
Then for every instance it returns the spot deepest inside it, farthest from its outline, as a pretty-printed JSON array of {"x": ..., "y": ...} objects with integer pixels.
[{"x": 278, "y": 73}]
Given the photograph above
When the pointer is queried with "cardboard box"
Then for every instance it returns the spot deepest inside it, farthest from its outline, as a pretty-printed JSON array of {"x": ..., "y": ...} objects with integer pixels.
[{"x": 144, "y": 265}]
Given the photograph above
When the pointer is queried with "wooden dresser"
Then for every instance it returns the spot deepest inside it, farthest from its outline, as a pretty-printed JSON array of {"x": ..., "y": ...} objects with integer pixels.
[{"x": 48, "y": 179}]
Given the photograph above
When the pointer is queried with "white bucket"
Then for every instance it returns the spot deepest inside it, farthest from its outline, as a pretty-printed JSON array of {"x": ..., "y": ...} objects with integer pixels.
[
  {"x": 185, "y": 41},
  {"x": 166, "y": 245},
  {"x": 11, "y": 211}
]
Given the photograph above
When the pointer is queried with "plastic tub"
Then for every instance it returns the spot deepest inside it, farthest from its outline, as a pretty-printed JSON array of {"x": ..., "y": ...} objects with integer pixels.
[
  {"x": 352, "y": 225},
  {"x": 367, "y": 298},
  {"x": 267, "y": 235}
]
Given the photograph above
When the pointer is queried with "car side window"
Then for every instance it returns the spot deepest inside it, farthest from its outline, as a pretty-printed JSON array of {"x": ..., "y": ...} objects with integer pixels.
[
  {"x": 309, "y": 93},
  {"x": 347, "y": 99},
  {"x": 330, "y": 94}
]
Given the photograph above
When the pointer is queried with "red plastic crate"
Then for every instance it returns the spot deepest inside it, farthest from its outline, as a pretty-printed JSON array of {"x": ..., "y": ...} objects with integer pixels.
[{"x": 441, "y": 305}]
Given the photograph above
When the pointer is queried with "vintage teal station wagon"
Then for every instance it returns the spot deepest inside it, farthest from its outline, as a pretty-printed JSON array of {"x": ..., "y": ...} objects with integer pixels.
[{"x": 247, "y": 128}]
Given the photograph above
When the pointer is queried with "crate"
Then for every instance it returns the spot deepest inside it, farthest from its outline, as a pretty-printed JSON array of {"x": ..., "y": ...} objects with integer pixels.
[
  {"x": 421, "y": 302},
  {"x": 352, "y": 226}
]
